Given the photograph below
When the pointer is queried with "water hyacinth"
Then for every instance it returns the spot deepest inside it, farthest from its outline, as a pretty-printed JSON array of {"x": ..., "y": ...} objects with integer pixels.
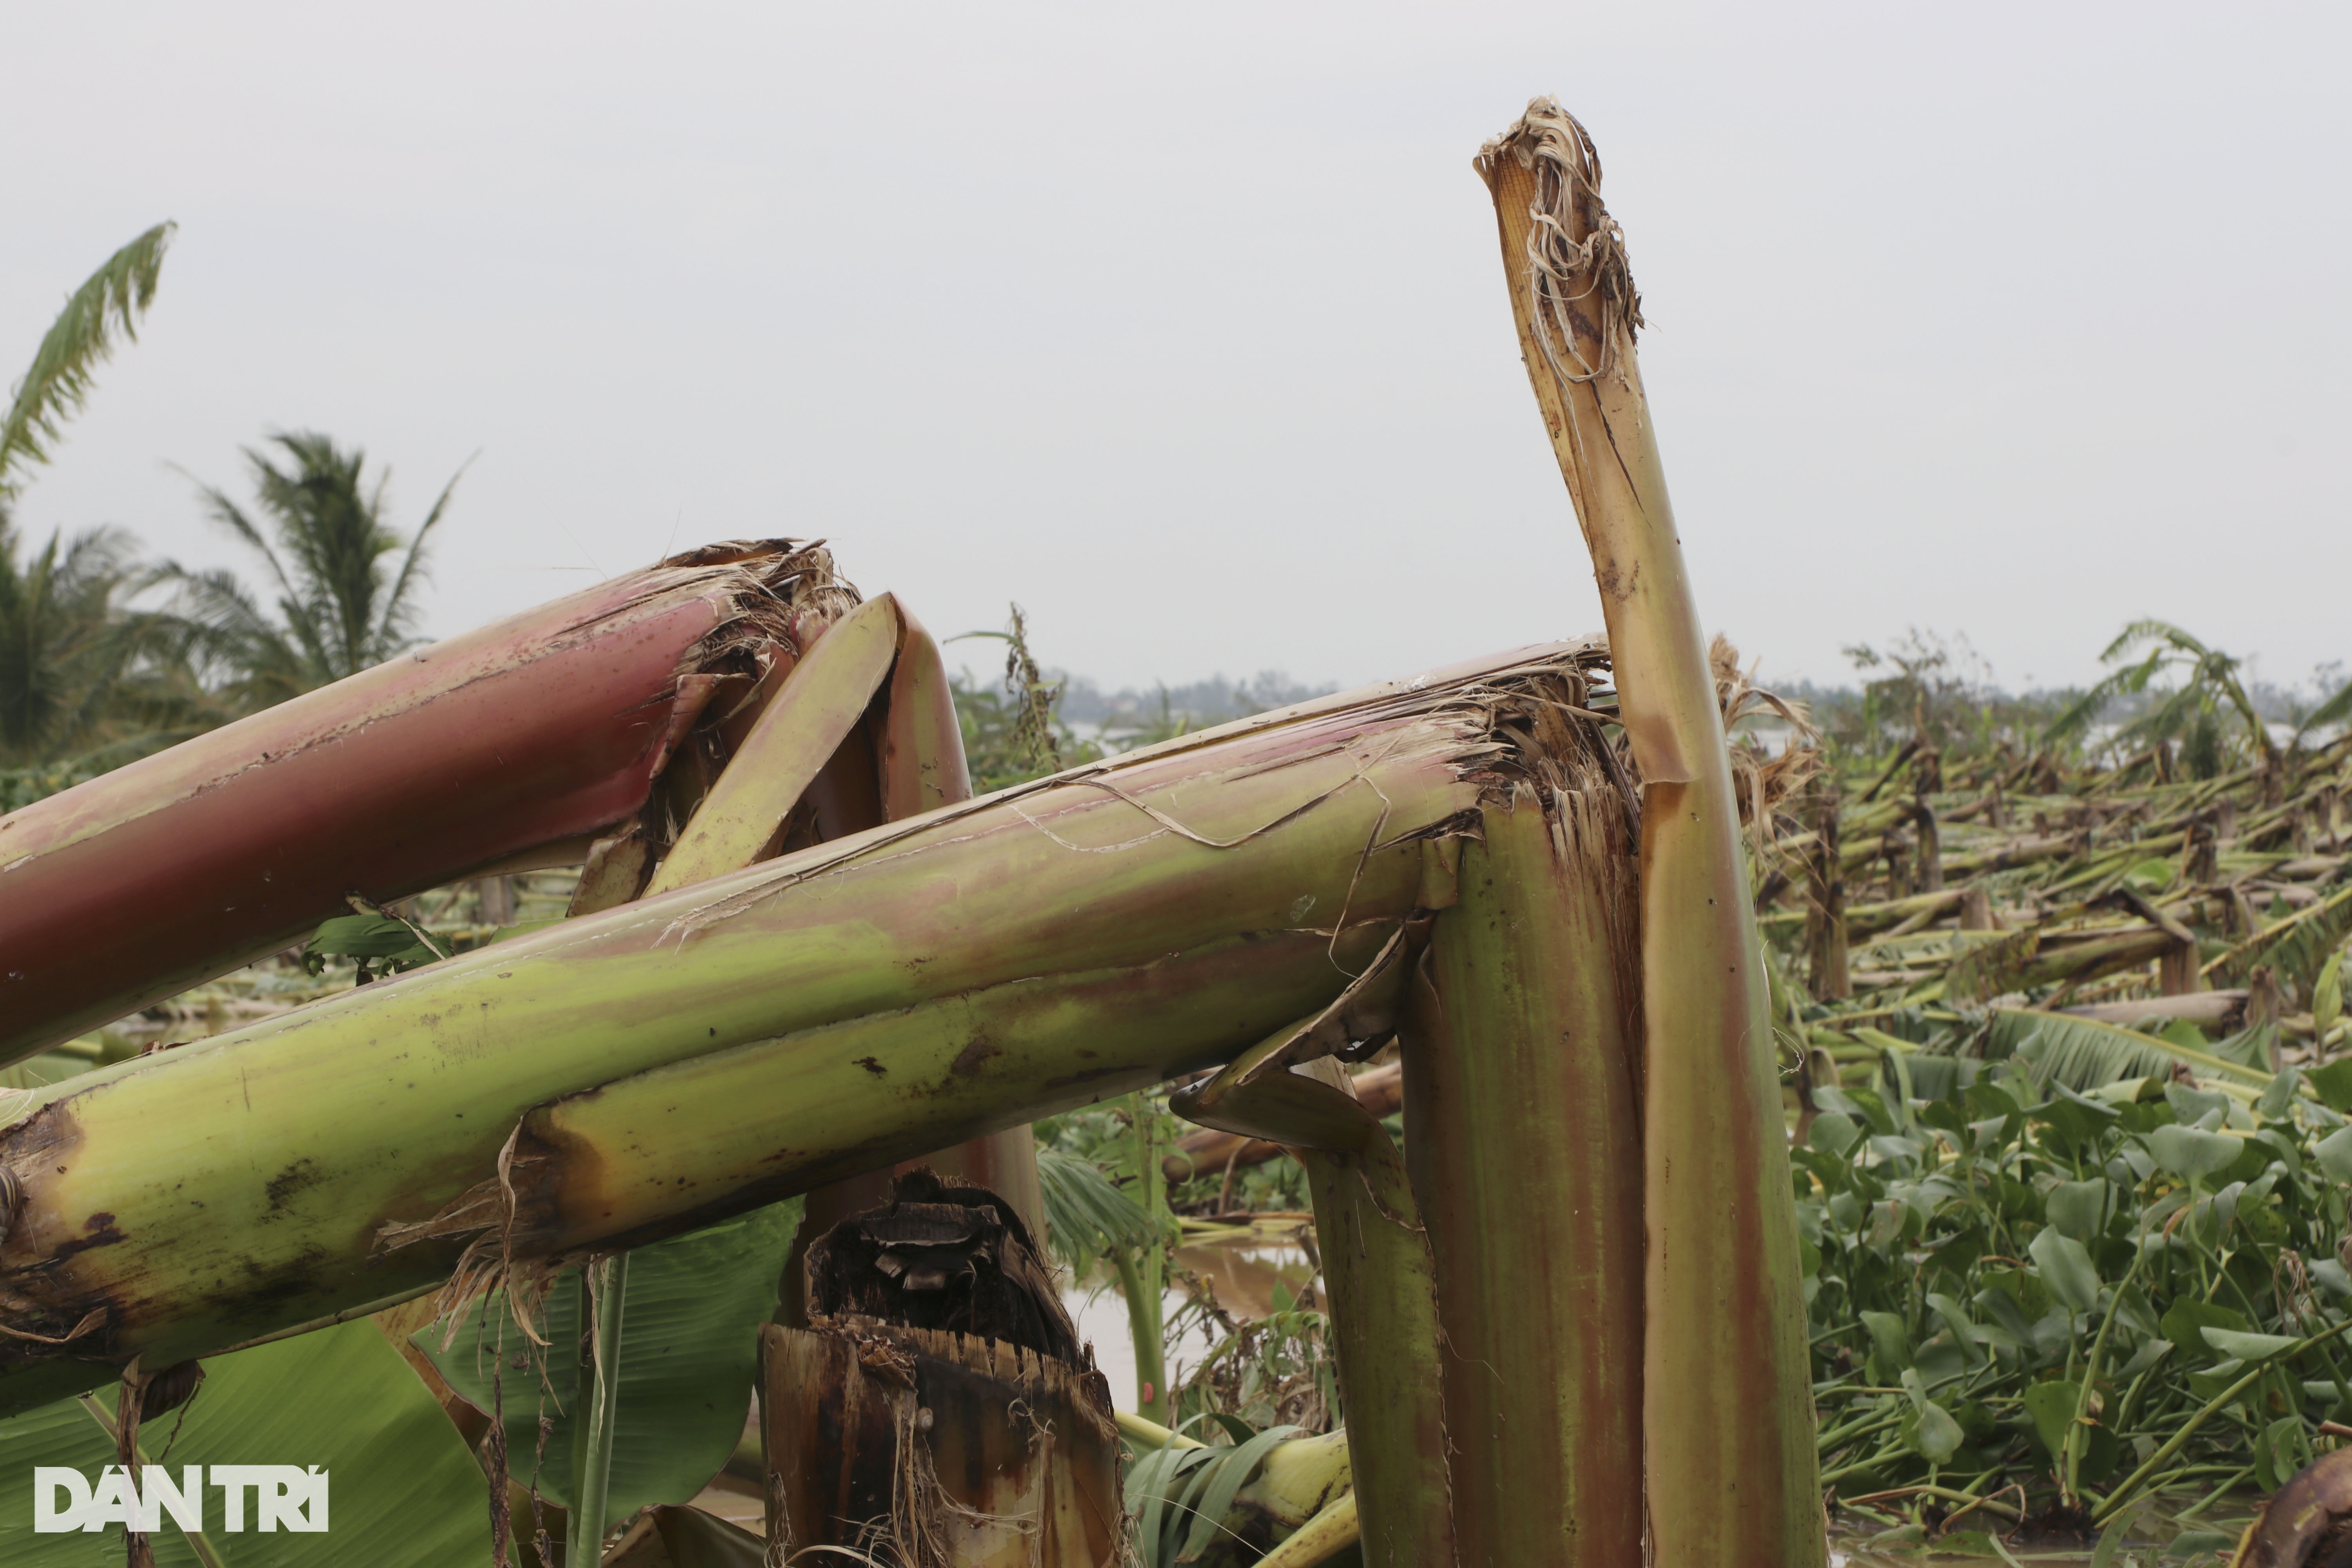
[{"x": 2026, "y": 1292}]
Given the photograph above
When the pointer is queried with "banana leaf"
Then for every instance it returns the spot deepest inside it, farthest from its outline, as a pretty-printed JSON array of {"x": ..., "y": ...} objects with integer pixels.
[
  {"x": 2295, "y": 948},
  {"x": 2083, "y": 1054},
  {"x": 692, "y": 1311},
  {"x": 403, "y": 1488}
]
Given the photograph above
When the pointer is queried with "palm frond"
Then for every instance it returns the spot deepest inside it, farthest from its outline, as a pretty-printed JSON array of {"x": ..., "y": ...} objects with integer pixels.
[
  {"x": 2084, "y": 710},
  {"x": 2333, "y": 710},
  {"x": 1085, "y": 1215},
  {"x": 2163, "y": 633},
  {"x": 399, "y": 615},
  {"x": 64, "y": 641},
  {"x": 59, "y": 380},
  {"x": 317, "y": 523},
  {"x": 230, "y": 517}
]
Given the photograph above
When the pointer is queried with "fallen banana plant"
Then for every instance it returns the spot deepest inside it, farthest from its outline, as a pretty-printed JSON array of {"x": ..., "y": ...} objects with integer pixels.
[
  {"x": 510, "y": 747},
  {"x": 1568, "y": 1317},
  {"x": 810, "y": 1018}
]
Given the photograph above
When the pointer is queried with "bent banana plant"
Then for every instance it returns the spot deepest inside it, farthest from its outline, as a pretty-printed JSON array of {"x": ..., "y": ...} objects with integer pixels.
[{"x": 695, "y": 1054}]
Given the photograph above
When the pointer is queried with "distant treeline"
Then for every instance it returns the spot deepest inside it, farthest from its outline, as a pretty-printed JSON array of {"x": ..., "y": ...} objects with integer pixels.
[{"x": 1198, "y": 702}]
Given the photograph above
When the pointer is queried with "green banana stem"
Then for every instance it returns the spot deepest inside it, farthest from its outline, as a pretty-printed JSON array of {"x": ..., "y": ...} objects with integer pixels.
[
  {"x": 1376, "y": 1262},
  {"x": 1143, "y": 1275}
]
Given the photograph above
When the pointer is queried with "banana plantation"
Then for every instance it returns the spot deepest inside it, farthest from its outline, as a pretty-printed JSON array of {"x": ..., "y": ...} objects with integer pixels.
[{"x": 604, "y": 1089}]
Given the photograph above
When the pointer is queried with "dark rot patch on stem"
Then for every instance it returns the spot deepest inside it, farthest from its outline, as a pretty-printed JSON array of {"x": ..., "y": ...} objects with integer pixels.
[
  {"x": 974, "y": 1055},
  {"x": 100, "y": 1233},
  {"x": 289, "y": 1182}
]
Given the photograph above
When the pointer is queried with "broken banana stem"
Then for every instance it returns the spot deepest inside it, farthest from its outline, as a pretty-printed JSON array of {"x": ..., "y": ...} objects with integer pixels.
[
  {"x": 1376, "y": 1262},
  {"x": 504, "y": 749},
  {"x": 688, "y": 1056},
  {"x": 919, "y": 749},
  {"x": 1522, "y": 1054},
  {"x": 1210, "y": 1152},
  {"x": 737, "y": 823},
  {"x": 1727, "y": 1405},
  {"x": 741, "y": 819}
]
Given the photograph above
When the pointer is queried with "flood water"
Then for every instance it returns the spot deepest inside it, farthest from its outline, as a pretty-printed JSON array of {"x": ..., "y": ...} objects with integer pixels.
[{"x": 1243, "y": 1273}]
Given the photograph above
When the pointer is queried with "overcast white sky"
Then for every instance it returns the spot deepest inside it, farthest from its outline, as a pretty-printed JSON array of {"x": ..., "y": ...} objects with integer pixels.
[{"x": 1185, "y": 326}]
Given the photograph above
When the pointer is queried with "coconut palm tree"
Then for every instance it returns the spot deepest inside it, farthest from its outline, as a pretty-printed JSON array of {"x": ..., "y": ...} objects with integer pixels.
[
  {"x": 65, "y": 643},
  {"x": 63, "y": 649},
  {"x": 341, "y": 600}
]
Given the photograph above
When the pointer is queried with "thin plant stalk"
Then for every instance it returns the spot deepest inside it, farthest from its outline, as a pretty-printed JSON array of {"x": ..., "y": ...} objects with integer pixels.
[
  {"x": 1376, "y": 1260},
  {"x": 2076, "y": 1438},
  {"x": 604, "y": 1286},
  {"x": 1143, "y": 1277},
  {"x": 1146, "y": 1331},
  {"x": 2130, "y": 1485}
]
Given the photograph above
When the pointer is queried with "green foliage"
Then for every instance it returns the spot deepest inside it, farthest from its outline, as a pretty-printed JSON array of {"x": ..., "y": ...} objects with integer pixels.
[
  {"x": 2332, "y": 709},
  {"x": 1015, "y": 731},
  {"x": 88, "y": 681},
  {"x": 1020, "y": 734},
  {"x": 62, "y": 647},
  {"x": 1178, "y": 1497},
  {"x": 1281, "y": 1368},
  {"x": 85, "y": 683},
  {"x": 404, "y": 1490},
  {"x": 2300, "y": 946},
  {"x": 1086, "y": 1216},
  {"x": 339, "y": 605},
  {"x": 1125, "y": 1156},
  {"x": 1103, "y": 1136},
  {"x": 690, "y": 1322},
  {"x": 384, "y": 943},
  {"x": 1924, "y": 686},
  {"x": 2193, "y": 711},
  {"x": 57, "y": 382},
  {"x": 1273, "y": 1186},
  {"x": 2009, "y": 1268}
]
